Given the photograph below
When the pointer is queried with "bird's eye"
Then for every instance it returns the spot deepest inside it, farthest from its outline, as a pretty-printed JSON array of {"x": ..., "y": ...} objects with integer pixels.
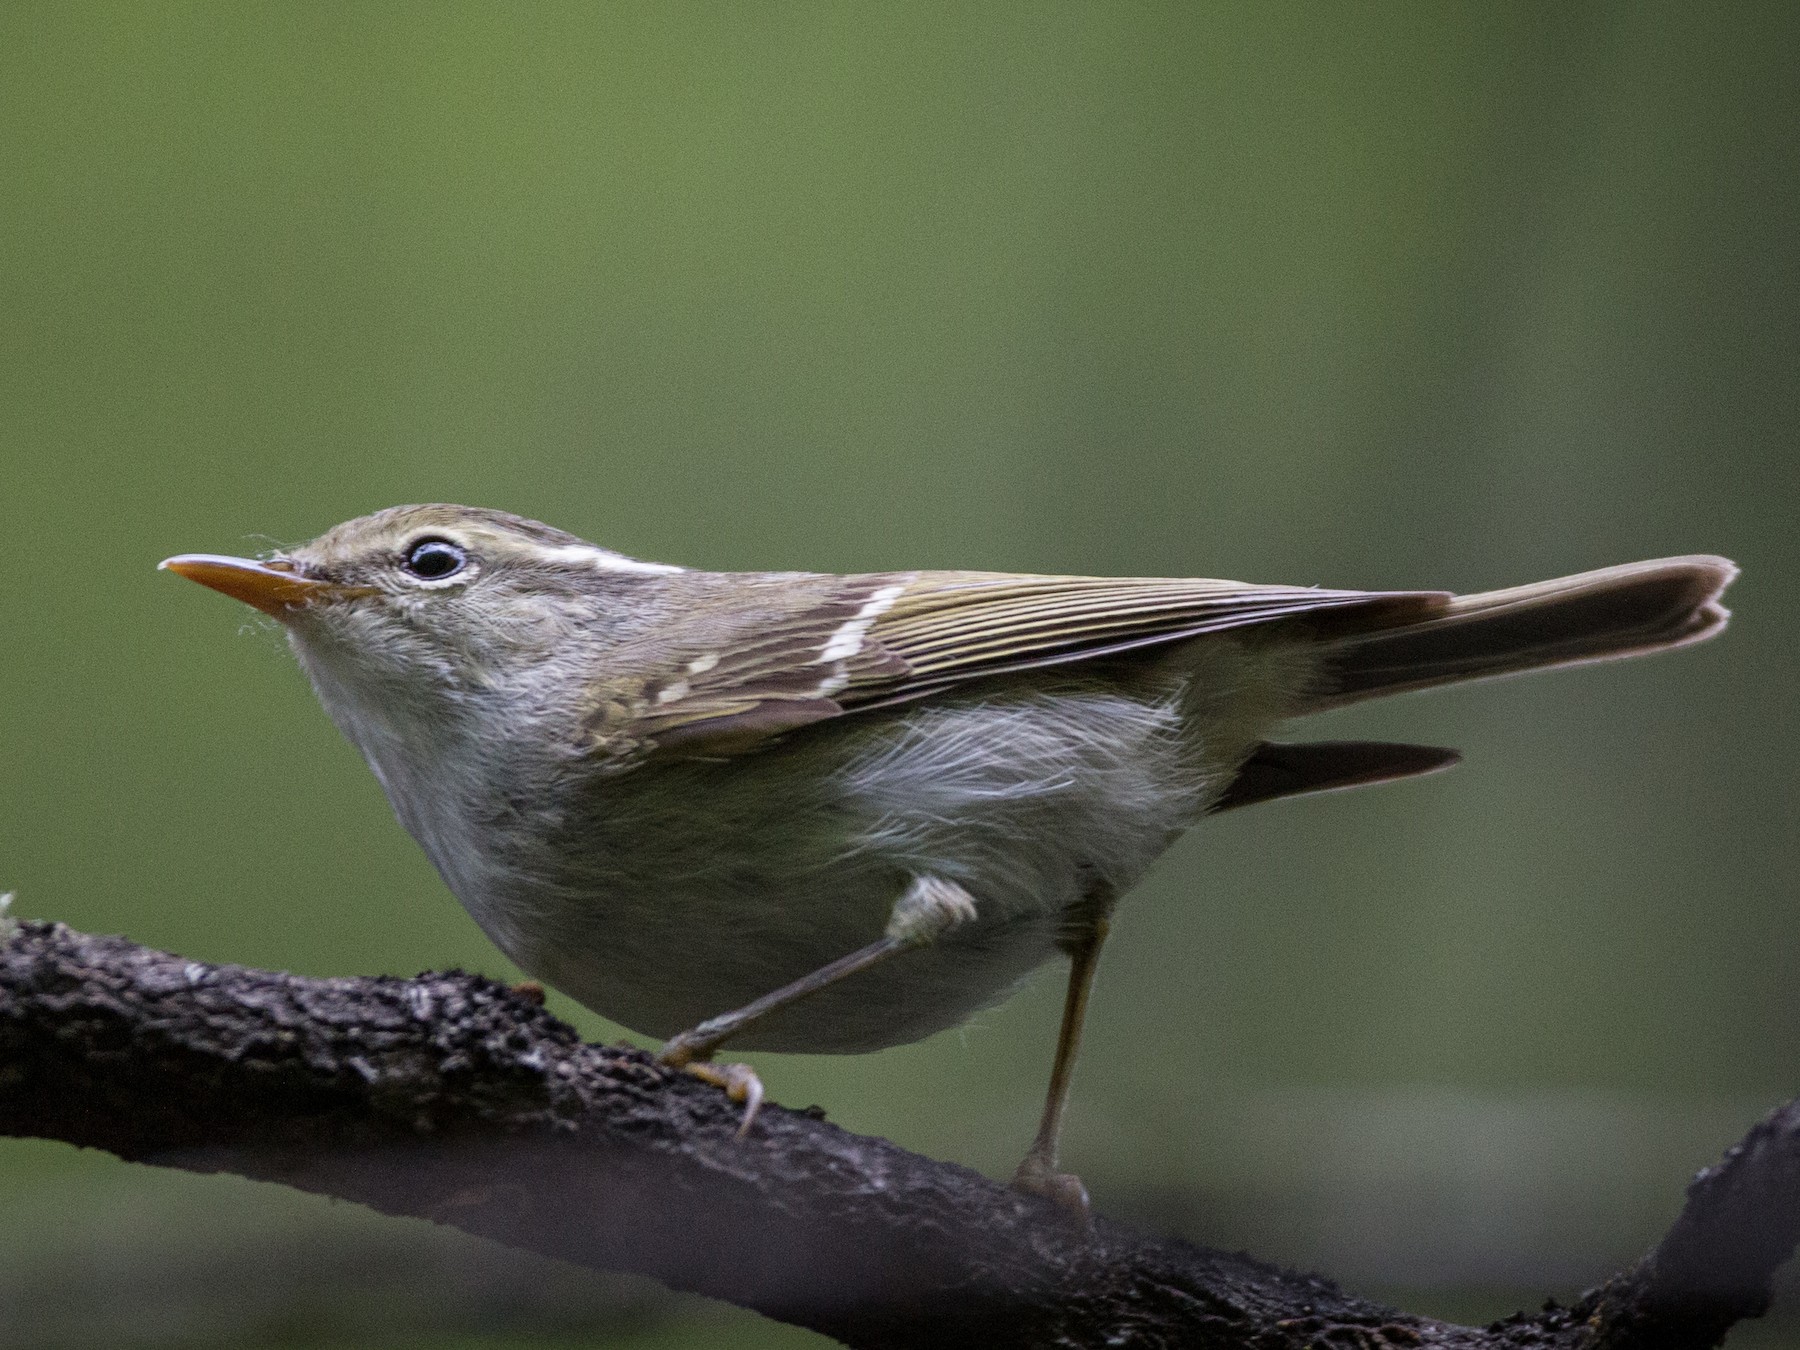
[{"x": 433, "y": 559}]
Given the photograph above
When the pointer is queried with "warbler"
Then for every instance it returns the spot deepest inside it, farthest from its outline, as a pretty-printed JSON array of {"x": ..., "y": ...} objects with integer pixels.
[{"x": 831, "y": 814}]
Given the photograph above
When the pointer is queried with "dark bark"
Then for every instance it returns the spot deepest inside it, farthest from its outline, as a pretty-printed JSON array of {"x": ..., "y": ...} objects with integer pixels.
[{"x": 453, "y": 1098}]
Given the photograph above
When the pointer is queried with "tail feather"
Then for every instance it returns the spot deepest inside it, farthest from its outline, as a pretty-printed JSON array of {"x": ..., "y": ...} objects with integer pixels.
[
  {"x": 1283, "y": 769},
  {"x": 1595, "y": 616}
]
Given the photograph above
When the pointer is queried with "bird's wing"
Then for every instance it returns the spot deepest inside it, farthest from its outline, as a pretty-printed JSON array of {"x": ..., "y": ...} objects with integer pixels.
[{"x": 859, "y": 642}]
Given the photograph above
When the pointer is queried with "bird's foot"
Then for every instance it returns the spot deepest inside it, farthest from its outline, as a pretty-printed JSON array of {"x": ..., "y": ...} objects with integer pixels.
[
  {"x": 739, "y": 1081},
  {"x": 1038, "y": 1176}
]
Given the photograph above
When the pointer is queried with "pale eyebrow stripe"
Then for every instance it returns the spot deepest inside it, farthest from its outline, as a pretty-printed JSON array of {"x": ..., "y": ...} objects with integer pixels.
[{"x": 604, "y": 560}]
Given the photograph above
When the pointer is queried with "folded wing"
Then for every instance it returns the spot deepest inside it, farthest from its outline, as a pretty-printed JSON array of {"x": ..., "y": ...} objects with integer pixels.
[{"x": 871, "y": 641}]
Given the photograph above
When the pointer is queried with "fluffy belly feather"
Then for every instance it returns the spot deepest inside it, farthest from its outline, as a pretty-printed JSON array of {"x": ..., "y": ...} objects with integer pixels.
[
  {"x": 670, "y": 893},
  {"x": 798, "y": 855}
]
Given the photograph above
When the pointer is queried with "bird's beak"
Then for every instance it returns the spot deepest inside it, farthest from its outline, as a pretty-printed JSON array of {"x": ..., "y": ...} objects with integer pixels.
[{"x": 275, "y": 587}]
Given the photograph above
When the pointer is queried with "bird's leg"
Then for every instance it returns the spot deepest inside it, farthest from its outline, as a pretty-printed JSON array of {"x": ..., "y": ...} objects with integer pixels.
[
  {"x": 927, "y": 908},
  {"x": 1037, "y": 1173}
]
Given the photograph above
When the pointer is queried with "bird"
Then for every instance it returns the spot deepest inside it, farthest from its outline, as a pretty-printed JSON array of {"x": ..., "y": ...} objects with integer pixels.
[{"x": 828, "y": 813}]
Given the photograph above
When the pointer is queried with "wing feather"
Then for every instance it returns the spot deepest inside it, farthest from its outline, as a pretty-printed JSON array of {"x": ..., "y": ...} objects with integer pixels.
[{"x": 861, "y": 642}]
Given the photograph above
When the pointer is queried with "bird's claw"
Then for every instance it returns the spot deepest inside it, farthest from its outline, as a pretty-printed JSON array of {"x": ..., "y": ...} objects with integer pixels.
[
  {"x": 739, "y": 1081},
  {"x": 1062, "y": 1189}
]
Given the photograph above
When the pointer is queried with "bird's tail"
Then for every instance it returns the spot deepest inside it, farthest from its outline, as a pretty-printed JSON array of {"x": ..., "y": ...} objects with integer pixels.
[{"x": 1594, "y": 616}]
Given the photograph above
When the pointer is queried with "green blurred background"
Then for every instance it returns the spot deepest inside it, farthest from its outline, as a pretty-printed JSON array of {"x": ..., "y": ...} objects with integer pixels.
[{"x": 1359, "y": 295}]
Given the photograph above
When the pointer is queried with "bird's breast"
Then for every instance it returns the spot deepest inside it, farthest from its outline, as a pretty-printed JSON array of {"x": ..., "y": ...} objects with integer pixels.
[
  {"x": 688, "y": 889},
  {"x": 675, "y": 891}
]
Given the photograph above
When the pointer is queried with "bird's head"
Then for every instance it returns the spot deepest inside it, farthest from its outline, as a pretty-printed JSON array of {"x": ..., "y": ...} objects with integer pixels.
[{"x": 438, "y": 599}]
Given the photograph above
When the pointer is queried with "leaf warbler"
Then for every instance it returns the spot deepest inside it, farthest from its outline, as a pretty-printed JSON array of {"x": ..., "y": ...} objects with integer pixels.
[{"x": 836, "y": 813}]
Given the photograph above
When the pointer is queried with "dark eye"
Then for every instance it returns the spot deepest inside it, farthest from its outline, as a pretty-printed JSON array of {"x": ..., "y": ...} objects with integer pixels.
[{"x": 435, "y": 558}]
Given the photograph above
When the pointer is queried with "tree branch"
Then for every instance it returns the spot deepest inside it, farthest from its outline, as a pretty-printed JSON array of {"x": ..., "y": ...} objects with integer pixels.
[{"x": 451, "y": 1098}]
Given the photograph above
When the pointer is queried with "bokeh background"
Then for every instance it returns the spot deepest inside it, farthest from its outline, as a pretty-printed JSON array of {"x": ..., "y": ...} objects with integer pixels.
[{"x": 1360, "y": 295}]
